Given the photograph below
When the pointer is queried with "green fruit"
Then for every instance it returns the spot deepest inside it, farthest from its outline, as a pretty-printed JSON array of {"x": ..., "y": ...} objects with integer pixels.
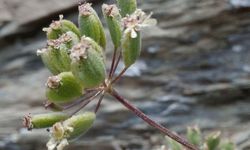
[
  {"x": 63, "y": 88},
  {"x": 127, "y": 7},
  {"x": 87, "y": 65},
  {"x": 131, "y": 48},
  {"x": 59, "y": 27},
  {"x": 90, "y": 24},
  {"x": 113, "y": 19},
  {"x": 43, "y": 120},
  {"x": 80, "y": 124}
]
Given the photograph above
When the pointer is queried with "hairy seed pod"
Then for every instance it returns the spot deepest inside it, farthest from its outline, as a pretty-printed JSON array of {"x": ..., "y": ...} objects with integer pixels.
[
  {"x": 63, "y": 88},
  {"x": 80, "y": 124},
  {"x": 56, "y": 60},
  {"x": 113, "y": 19},
  {"x": 74, "y": 39},
  {"x": 87, "y": 65},
  {"x": 70, "y": 129},
  {"x": 95, "y": 46},
  {"x": 48, "y": 60},
  {"x": 131, "y": 48},
  {"x": 43, "y": 120},
  {"x": 59, "y": 27},
  {"x": 127, "y": 7},
  {"x": 90, "y": 24}
]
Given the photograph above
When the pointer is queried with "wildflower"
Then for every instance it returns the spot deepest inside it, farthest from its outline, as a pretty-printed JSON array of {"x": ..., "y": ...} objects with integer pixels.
[{"x": 136, "y": 21}]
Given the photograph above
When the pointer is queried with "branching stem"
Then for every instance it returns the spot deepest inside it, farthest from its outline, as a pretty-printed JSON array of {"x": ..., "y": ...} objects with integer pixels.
[
  {"x": 151, "y": 122},
  {"x": 113, "y": 63},
  {"x": 116, "y": 63},
  {"x": 99, "y": 102},
  {"x": 85, "y": 103},
  {"x": 119, "y": 75}
]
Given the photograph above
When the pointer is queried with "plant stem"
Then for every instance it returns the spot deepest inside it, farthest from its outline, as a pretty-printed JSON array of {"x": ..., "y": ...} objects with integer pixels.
[
  {"x": 113, "y": 63},
  {"x": 86, "y": 102},
  {"x": 99, "y": 102},
  {"x": 151, "y": 122},
  {"x": 120, "y": 75},
  {"x": 85, "y": 97},
  {"x": 117, "y": 63}
]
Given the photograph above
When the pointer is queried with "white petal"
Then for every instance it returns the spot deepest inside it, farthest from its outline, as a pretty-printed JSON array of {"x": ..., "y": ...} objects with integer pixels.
[
  {"x": 133, "y": 34},
  {"x": 51, "y": 145},
  {"x": 62, "y": 144}
]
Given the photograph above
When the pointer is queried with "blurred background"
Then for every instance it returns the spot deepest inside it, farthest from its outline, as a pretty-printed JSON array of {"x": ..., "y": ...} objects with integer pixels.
[{"x": 194, "y": 70}]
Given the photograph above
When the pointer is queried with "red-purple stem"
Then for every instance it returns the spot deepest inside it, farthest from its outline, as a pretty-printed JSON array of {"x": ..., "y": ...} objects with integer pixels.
[
  {"x": 151, "y": 122},
  {"x": 113, "y": 63},
  {"x": 116, "y": 63},
  {"x": 99, "y": 103}
]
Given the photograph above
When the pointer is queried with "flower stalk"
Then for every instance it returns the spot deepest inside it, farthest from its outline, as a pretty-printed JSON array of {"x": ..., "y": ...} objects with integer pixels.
[{"x": 75, "y": 56}]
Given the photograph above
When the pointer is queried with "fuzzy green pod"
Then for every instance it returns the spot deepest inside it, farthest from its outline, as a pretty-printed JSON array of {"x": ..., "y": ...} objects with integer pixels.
[
  {"x": 63, "y": 88},
  {"x": 90, "y": 24},
  {"x": 70, "y": 129},
  {"x": 80, "y": 124},
  {"x": 56, "y": 60},
  {"x": 213, "y": 141},
  {"x": 43, "y": 120},
  {"x": 73, "y": 39},
  {"x": 127, "y": 7},
  {"x": 113, "y": 19},
  {"x": 131, "y": 48},
  {"x": 87, "y": 65},
  {"x": 194, "y": 135},
  {"x": 59, "y": 27},
  {"x": 48, "y": 60},
  {"x": 95, "y": 46}
]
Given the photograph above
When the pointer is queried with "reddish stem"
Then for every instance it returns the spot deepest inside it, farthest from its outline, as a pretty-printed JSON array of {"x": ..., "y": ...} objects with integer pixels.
[
  {"x": 86, "y": 102},
  {"x": 99, "y": 103},
  {"x": 116, "y": 63},
  {"x": 151, "y": 122},
  {"x": 84, "y": 98},
  {"x": 119, "y": 76},
  {"x": 113, "y": 63}
]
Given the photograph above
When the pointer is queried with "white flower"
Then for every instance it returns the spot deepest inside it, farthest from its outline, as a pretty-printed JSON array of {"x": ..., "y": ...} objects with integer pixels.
[
  {"x": 136, "y": 21},
  {"x": 59, "y": 136},
  {"x": 80, "y": 51}
]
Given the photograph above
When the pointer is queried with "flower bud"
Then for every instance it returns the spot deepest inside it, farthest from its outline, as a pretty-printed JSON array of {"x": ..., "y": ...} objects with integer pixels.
[
  {"x": 127, "y": 7},
  {"x": 90, "y": 24},
  {"x": 131, "y": 48},
  {"x": 87, "y": 64},
  {"x": 113, "y": 19},
  {"x": 70, "y": 129},
  {"x": 59, "y": 27},
  {"x": 63, "y": 88},
  {"x": 43, "y": 120}
]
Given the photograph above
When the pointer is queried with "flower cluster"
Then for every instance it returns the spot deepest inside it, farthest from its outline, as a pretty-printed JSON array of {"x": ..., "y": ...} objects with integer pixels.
[{"x": 75, "y": 56}]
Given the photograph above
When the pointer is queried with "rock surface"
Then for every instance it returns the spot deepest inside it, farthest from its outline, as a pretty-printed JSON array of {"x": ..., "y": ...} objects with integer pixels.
[{"x": 194, "y": 69}]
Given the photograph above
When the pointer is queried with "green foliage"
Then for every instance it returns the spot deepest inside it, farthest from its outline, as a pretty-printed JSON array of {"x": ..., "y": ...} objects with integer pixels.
[{"x": 212, "y": 142}]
